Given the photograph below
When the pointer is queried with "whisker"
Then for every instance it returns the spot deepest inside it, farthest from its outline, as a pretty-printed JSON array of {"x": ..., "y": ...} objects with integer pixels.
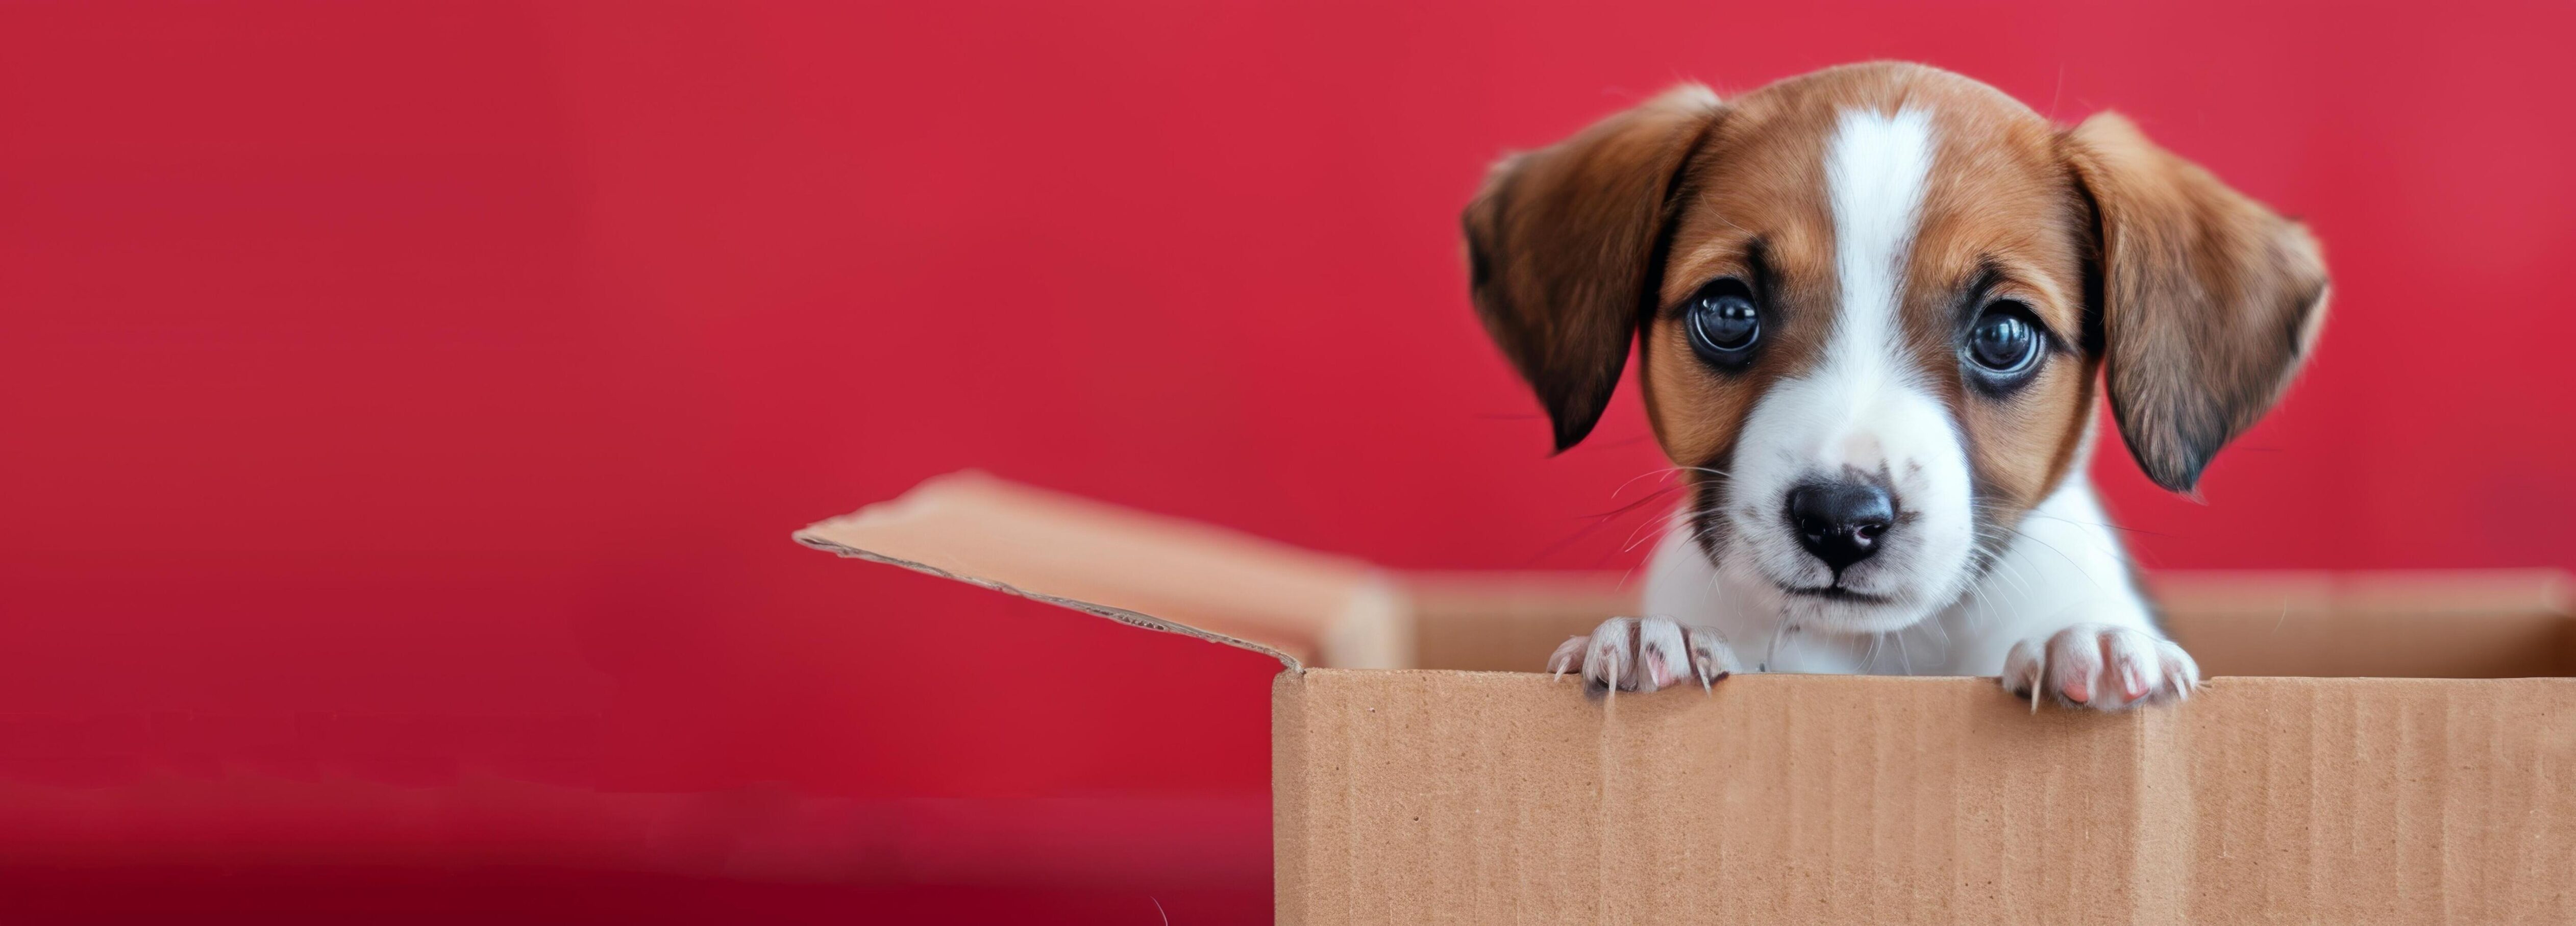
[
  {"x": 2100, "y": 524},
  {"x": 2061, "y": 554},
  {"x": 2010, "y": 571},
  {"x": 1632, "y": 480},
  {"x": 2029, "y": 590},
  {"x": 1647, "y": 499},
  {"x": 1948, "y": 647},
  {"x": 1597, "y": 521},
  {"x": 1631, "y": 542}
]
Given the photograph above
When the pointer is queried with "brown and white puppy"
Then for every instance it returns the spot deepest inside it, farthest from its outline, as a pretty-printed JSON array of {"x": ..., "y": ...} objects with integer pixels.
[{"x": 1872, "y": 305}]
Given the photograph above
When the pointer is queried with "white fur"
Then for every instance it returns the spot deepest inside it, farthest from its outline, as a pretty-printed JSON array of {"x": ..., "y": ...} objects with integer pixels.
[
  {"x": 2056, "y": 613},
  {"x": 1862, "y": 410}
]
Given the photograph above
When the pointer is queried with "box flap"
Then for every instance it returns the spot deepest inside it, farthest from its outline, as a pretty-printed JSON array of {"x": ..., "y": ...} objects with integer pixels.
[{"x": 1153, "y": 572}]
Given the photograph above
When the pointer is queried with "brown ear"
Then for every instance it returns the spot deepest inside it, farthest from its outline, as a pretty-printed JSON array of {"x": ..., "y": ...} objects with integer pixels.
[
  {"x": 2209, "y": 301},
  {"x": 1563, "y": 250}
]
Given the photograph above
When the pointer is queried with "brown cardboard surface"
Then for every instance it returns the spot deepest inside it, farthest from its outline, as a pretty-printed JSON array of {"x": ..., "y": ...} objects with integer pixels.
[
  {"x": 1419, "y": 796},
  {"x": 1455, "y": 797},
  {"x": 1507, "y": 621},
  {"x": 2469, "y": 624}
]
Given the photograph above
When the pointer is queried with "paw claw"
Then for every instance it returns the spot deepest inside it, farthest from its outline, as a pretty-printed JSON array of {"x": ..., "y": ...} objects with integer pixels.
[
  {"x": 2100, "y": 666},
  {"x": 1568, "y": 656},
  {"x": 1643, "y": 654}
]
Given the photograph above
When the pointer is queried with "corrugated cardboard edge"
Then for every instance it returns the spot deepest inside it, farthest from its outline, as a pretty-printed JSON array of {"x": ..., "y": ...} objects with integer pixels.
[
  {"x": 818, "y": 537},
  {"x": 1290, "y": 846}
]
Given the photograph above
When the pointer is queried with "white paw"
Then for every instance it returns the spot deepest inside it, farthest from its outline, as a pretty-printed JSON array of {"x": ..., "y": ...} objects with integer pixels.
[
  {"x": 1644, "y": 654},
  {"x": 2102, "y": 667}
]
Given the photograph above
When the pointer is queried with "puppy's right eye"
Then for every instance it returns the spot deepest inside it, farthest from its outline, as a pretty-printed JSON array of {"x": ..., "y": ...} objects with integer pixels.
[{"x": 1723, "y": 323}]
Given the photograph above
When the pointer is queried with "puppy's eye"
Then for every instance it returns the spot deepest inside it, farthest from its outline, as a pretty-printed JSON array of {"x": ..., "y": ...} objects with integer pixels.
[
  {"x": 2004, "y": 343},
  {"x": 1723, "y": 324}
]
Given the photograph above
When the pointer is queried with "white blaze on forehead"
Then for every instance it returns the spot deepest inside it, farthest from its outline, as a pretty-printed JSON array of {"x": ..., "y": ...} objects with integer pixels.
[
  {"x": 1875, "y": 171},
  {"x": 1864, "y": 406}
]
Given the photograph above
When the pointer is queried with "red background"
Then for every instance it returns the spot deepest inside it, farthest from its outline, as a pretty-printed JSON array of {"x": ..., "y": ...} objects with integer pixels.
[{"x": 406, "y": 405}]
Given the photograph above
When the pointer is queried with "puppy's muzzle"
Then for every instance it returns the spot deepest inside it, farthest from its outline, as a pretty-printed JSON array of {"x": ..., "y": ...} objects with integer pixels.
[{"x": 1841, "y": 522}]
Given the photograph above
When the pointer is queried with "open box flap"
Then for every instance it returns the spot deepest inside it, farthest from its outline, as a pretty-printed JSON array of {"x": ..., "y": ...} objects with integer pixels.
[{"x": 1153, "y": 572}]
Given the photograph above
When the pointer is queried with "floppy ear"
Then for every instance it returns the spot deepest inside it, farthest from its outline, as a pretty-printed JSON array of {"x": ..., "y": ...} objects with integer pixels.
[
  {"x": 2209, "y": 301},
  {"x": 1564, "y": 253}
]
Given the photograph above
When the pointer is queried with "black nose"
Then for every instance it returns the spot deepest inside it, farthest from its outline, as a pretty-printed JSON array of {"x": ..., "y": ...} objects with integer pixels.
[{"x": 1841, "y": 522}]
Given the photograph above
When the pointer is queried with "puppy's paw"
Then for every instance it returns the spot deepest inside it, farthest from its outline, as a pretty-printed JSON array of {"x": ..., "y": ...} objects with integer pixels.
[
  {"x": 1644, "y": 654},
  {"x": 2102, "y": 667}
]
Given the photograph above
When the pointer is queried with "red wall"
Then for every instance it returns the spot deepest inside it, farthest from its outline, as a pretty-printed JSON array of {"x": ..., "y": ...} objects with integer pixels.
[{"x": 406, "y": 405}]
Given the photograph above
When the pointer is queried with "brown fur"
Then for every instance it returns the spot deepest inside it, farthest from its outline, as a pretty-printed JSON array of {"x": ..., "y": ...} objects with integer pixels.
[
  {"x": 1999, "y": 198},
  {"x": 2201, "y": 301},
  {"x": 2209, "y": 300},
  {"x": 2000, "y": 201},
  {"x": 1562, "y": 246}
]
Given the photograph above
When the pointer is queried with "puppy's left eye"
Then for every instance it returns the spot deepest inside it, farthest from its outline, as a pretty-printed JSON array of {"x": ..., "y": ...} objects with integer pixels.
[
  {"x": 2005, "y": 341},
  {"x": 1723, "y": 323}
]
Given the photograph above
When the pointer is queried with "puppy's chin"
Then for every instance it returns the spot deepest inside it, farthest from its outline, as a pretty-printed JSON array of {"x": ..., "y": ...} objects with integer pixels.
[{"x": 1846, "y": 612}]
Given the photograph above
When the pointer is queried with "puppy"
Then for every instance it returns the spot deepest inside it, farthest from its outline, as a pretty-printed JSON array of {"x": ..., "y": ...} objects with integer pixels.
[{"x": 1872, "y": 306}]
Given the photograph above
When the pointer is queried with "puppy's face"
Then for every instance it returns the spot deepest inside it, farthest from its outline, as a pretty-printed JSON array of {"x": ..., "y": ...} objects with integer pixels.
[{"x": 1872, "y": 304}]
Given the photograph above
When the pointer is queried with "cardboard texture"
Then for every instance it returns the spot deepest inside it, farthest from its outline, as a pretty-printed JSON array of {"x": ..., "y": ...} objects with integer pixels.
[{"x": 2444, "y": 791}]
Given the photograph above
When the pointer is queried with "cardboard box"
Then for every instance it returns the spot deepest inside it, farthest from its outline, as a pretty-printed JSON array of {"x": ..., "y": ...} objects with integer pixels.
[{"x": 2443, "y": 790}]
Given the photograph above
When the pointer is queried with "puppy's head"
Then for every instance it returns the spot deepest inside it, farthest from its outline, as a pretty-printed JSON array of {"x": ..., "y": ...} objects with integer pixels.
[{"x": 1871, "y": 304}]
